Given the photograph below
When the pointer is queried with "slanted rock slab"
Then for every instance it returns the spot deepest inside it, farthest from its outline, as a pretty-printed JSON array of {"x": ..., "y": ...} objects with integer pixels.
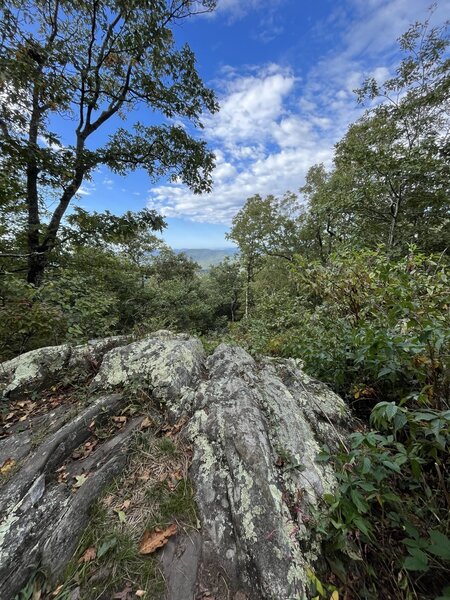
[
  {"x": 164, "y": 365},
  {"x": 256, "y": 429}
]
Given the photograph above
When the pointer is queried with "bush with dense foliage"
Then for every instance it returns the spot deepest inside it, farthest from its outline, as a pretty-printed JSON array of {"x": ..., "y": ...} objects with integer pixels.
[{"x": 370, "y": 326}]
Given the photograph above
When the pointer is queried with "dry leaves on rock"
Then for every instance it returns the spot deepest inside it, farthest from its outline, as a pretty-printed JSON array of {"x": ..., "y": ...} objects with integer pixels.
[
  {"x": 85, "y": 449},
  {"x": 152, "y": 540},
  {"x": 79, "y": 481}
]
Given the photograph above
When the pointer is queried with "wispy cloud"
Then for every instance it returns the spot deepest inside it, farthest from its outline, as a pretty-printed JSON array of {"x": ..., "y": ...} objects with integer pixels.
[
  {"x": 86, "y": 189},
  {"x": 273, "y": 125}
]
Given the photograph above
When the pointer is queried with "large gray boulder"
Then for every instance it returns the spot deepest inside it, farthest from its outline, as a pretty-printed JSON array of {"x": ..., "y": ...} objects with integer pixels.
[
  {"x": 163, "y": 365},
  {"x": 40, "y": 369}
]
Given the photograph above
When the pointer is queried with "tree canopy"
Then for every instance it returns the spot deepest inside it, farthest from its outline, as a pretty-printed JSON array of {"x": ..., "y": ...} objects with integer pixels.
[{"x": 90, "y": 63}]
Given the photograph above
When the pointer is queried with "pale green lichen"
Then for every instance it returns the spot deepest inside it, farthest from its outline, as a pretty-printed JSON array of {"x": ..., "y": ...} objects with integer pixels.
[{"x": 247, "y": 508}]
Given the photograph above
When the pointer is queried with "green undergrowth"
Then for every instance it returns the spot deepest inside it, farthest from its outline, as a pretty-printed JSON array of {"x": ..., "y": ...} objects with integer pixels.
[{"x": 386, "y": 528}]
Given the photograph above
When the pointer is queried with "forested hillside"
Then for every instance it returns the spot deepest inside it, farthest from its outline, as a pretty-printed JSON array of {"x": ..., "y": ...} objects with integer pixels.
[{"x": 349, "y": 273}]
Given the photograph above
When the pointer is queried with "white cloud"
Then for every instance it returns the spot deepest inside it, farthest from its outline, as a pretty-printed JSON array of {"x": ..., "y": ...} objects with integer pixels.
[
  {"x": 249, "y": 103},
  {"x": 83, "y": 191},
  {"x": 238, "y": 9},
  {"x": 86, "y": 189},
  {"x": 273, "y": 126},
  {"x": 108, "y": 183}
]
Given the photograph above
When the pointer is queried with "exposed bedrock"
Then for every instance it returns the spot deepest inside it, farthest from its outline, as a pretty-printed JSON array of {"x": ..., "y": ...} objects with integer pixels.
[{"x": 256, "y": 428}]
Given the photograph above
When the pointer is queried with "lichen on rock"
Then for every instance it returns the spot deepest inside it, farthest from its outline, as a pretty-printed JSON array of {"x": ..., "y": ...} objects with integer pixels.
[
  {"x": 256, "y": 427},
  {"x": 254, "y": 507}
]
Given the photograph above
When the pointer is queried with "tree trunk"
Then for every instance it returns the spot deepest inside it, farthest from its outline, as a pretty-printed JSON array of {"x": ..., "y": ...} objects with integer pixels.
[
  {"x": 37, "y": 261},
  {"x": 395, "y": 208}
]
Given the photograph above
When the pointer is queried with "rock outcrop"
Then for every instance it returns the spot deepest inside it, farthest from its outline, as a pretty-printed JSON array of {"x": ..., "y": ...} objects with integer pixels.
[
  {"x": 40, "y": 369},
  {"x": 256, "y": 428}
]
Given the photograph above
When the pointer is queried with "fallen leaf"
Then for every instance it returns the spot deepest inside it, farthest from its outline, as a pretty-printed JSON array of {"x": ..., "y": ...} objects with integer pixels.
[
  {"x": 146, "y": 423},
  {"x": 7, "y": 466},
  {"x": 145, "y": 475},
  {"x": 140, "y": 593},
  {"x": 125, "y": 505},
  {"x": 62, "y": 474},
  {"x": 89, "y": 555},
  {"x": 152, "y": 540},
  {"x": 122, "y": 516},
  {"x": 119, "y": 420},
  {"x": 178, "y": 475},
  {"x": 106, "y": 545},
  {"x": 80, "y": 479}
]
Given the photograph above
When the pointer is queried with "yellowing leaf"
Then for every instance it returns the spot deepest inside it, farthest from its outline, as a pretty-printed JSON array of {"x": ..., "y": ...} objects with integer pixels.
[
  {"x": 152, "y": 540},
  {"x": 122, "y": 516},
  {"x": 79, "y": 480},
  {"x": 7, "y": 466},
  {"x": 334, "y": 595},
  {"x": 140, "y": 593}
]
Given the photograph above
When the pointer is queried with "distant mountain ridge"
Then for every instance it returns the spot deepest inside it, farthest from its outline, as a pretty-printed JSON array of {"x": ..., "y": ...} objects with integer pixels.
[{"x": 207, "y": 257}]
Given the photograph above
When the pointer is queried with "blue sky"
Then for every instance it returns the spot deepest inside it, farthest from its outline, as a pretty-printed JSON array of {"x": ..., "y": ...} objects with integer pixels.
[{"x": 284, "y": 72}]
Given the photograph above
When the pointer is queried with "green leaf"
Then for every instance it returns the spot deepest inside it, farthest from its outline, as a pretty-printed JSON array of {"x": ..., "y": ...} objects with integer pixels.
[
  {"x": 424, "y": 416},
  {"x": 362, "y": 525},
  {"x": 418, "y": 561},
  {"x": 384, "y": 371},
  {"x": 440, "y": 545},
  {"x": 366, "y": 486},
  {"x": 106, "y": 546},
  {"x": 391, "y": 409},
  {"x": 391, "y": 465},
  {"x": 329, "y": 498},
  {"x": 415, "y": 543},
  {"x": 367, "y": 464},
  {"x": 359, "y": 501},
  {"x": 122, "y": 516}
]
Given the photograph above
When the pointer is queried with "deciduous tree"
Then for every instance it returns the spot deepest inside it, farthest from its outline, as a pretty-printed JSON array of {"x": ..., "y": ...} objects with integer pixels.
[{"x": 91, "y": 63}]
